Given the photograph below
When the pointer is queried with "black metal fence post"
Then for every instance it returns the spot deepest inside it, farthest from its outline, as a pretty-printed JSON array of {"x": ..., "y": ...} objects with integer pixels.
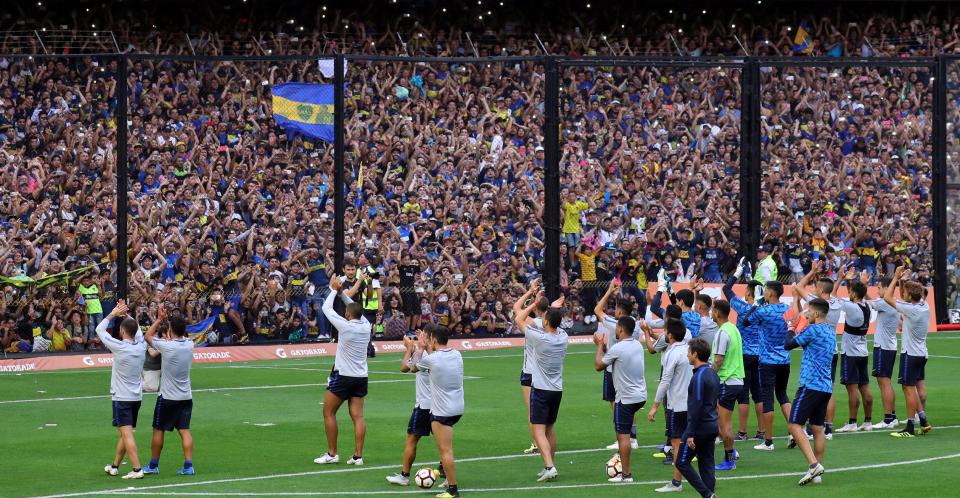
[
  {"x": 551, "y": 180},
  {"x": 939, "y": 193},
  {"x": 339, "y": 196},
  {"x": 122, "y": 171},
  {"x": 750, "y": 198}
]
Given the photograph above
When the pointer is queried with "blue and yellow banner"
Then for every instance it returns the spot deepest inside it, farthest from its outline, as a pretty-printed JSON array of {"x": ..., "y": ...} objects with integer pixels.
[
  {"x": 304, "y": 108},
  {"x": 802, "y": 43},
  {"x": 198, "y": 331}
]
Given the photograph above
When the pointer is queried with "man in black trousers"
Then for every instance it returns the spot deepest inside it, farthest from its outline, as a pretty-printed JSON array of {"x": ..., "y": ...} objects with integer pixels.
[{"x": 702, "y": 427}]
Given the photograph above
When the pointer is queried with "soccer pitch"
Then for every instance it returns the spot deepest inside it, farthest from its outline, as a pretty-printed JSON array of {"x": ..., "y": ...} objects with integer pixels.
[{"x": 258, "y": 426}]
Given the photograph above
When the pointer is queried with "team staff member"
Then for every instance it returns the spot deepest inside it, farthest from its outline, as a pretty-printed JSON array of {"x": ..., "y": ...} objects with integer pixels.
[
  {"x": 818, "y": 340},
  {"x": 913, "y": 352},
  {"x": 626, "y": 358},
  {"x": 348, "y": 379},
  {"x": 125, "y": 385},
  {"x": 550, "y": 348},
  {"x": 674, "y": 382},
  {"x": 174, "y": 406},
  {"x": 445, "y": 367},
  {"x": 703, "y": 392},
  {"x": 750, "y": 335},
  {"x": 728, "y": 363},
  {"x": 774, "y": 360},
  {"x": 885, "y": 354}
]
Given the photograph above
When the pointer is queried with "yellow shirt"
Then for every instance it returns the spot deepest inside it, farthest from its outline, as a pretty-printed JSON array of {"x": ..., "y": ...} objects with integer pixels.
[
  {"x": 60, "y": 340},
  {"x": 588, "y": 266},
  {"x": 571, "y": 216}
]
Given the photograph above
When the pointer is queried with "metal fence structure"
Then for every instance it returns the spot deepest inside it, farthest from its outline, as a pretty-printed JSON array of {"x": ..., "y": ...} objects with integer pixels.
[{"x": 565, "y": 83}]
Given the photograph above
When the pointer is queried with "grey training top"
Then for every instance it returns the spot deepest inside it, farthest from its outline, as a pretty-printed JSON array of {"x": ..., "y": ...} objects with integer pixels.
[
  {"x": 176, "y": 358},
  {"x": 609, "y": 327},
  {"x": 708, "y": 329},
  {"x": 351, "y": 359},
  {"x": 675, "y": 378},
  {"x": 916, "y": 319},
  {"x": 528, "y": 352},
  {"x": 853, "y": 345},
  {"x": 626, "y": 358},
  {"x": 127, "y": 364},
  {"x": 445, "y": 368},
  {"x": 423, "y": 381},
  {"x": 549, "y": 352},
  {"x": 888, "y": 321}
]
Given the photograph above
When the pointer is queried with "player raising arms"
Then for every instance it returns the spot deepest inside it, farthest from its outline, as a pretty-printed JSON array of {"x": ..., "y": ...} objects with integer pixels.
[
  {"x": 774, "y": 359},
  {"x": 125, "y": 385},
  {"x": 445, "y": 367},
  {"x": 885, "y": 354},
  {"x": 419, "y": 425},
  {"x": 550, "y": 349},
  {"x": 913, "y": 351},
  {"x": 607, "y": 330},
  {"x": 526, "y": 373},
  {"x": 749, "y": 333},
  {"x": 174, "y": 406},
  {"x": 348, "y": 379},
  {"x": 727, "y": 353},
  {"x": 626, "y": 358}
]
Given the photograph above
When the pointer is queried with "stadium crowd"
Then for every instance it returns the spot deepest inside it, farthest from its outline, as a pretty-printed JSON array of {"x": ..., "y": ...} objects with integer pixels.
[{"x": 230, "y": 218}]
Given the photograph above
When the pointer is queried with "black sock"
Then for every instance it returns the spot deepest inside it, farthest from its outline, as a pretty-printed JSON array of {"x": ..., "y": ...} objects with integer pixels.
[
  {"x": 115, "y": 466},
  {"x": 728, "y": 455},
  {"x": 741, "y": 434},
  {"x": 137, "y": 469},
  {"x": 627, "y": 476},
  {"x": 814, "y": 465},
  {"x": 923, "y": 419},
  {"x": 909, "y": 426},
  {"x": 888, "y": 417},
  {"x": 357, "y": 457},
  {"x": 852, "y": 421},
  {"x": 828, "y": 427},
  {"x": 768, "y": 442},
  {"x": 868, "y": 420},
  {"x": 675, "y": 482},
  {"x": 404, "y": 474}
]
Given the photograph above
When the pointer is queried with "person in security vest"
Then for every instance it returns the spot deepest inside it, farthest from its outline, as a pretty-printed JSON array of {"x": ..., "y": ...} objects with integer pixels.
[
  {"x": 88, "y": 295},
  {"x": 767, "y": 267}
]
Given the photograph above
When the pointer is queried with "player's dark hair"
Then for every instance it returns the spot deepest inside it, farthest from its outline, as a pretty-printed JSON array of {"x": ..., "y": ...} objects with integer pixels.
[
  {"x": 776, "y": 287},
  {"x": 705, "y": 299},
  {"x": 914, "y": 291},
  {"x": 553, "y": 317},
  {"x": 129, "y": 326},
  {"x": 685, "y": 296},
  {"x": 542, "y": 306},
  {"x": 625, "y": 307},
  {"x": 752, "y": 287},
  {"x": 701, "y": 348},
  {"x": 354, "y": 311},
  {"x": 722, "y": 308},
  {"x": 857, "y": 289},
  {"x": 440, "y": 333},
  {"x": 178, "y": 326},
  {"x": 676, "y": 329},
  {"x": 673, "y": 311},
  {"x": 627, "y": 324},
  {"x": 825, "y": 285},
  {"x": 820, "y": 306}
]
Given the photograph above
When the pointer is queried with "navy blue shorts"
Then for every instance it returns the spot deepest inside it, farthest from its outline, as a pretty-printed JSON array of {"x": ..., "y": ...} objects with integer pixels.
[
  {"x": 912, "y": 369},
  {"x": 544, "y": 406},
  {"x": 774, "y": 379},
  {"x": 419, "y": 424},
  {"x": 883, "y": 360},
  {"x": 809, "y": 406},
  {"x": 751, "y": 380},
  {"x": 676, "y": 424},
  {"x": 623, "y": 416},
  {"x": 169, "y": 414},
  {"x": 345, "y": 387},
  {"x": 447, "y": 421},
  {"x": 729, "y": 394},
  {"x": 853, "y": 370},
  {"x": 526, "y": 380},
  {"x": 609, "y": 392},
  {"x": 125, "y": 413}
]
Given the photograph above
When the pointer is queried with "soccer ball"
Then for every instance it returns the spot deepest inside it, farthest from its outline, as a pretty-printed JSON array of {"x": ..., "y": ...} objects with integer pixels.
[
  {"x": 426, "y": 478},
  {"x": 614, "y": 467}
]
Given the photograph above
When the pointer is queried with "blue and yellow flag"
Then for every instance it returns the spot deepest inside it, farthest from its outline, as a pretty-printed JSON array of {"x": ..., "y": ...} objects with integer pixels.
[
  {"x": 304, "y": 108},
  {"x": 802, "y": 43},
  {"x": 198, "y": 331}
]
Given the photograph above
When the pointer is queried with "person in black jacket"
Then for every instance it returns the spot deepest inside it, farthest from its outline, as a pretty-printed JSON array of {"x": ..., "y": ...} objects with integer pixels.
[{"x": 702, "y": 426}]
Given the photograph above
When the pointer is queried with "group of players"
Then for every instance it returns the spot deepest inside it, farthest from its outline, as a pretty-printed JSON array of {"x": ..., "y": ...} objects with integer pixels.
[{"x": 709, "y": 366}]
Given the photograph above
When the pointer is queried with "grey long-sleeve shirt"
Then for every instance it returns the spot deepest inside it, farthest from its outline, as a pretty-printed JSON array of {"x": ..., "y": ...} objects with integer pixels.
[{"x": 675, "y": 378}]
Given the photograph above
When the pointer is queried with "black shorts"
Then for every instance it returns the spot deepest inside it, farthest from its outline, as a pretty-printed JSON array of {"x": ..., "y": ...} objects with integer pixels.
[
  {"x": 544, "y": 406},
  {"x": 883, "y": 360},
  {"x": 609, "y": 392},
  {"x": 526, "y": 380},
  {"x": 419, "y": 424},
  {"x": 411, "y": 303},
  {"x": 345, "y": 387},
  {"x": 912, "y": 369},
  {"x": 774, "y": 379},
  {"x": 172, "y": 414},
  {"x": 676, "y": 424},
  {"x": 833, "y": 368},
  {"x": 853, "y": 370},
  {"x": 729, "y": 394},
  {"x": 809, "y": 406},
  {"x": 751, "y": 380},
  {"x": 623, "y": 416},
  {"x": 125, "y": 413},
  {"x": 447, "y": 421}
]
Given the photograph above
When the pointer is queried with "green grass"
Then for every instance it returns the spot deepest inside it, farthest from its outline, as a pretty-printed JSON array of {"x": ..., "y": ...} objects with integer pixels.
[{"x": 43, "y": 459}]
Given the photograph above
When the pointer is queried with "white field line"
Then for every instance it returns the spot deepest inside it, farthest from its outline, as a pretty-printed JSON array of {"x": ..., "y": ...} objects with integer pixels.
[{"x": 142, "y": 490}]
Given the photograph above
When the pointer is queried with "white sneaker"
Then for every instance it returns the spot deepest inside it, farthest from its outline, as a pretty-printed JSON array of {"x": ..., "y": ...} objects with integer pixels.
[
  {"x": 355, "y": 461},
  {"x": 812, "y": 473},
  {"x": 828, "y": 436},
  {"x": 670, "y": 488},
  {"x": 548, "y": 474},
  {"x": 399, "y": 480},
  {"x": 763, "y": 447},
  {"x": 134, "y": 475},
  {"x": 615, "y": 445},
  {"x": 620, "y": 479},
  {"x": 893, "y": 424},
  {"x": 866, "y": 427},
  {"x": 326, "y": 458},
  {"x": 847, "y": 428},
  {"x": 717, "y": 441},
  {"x": 111, "y": 470},
  {"x": 634, "y": 445}
]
